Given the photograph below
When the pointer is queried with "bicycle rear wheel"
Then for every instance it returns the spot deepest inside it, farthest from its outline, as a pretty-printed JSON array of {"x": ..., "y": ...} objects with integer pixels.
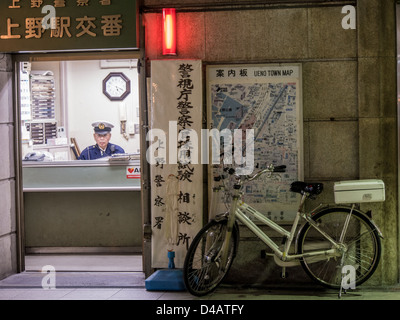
[
  {"x": 362, "y": 247},
  {"x": 202, "y": 270}
]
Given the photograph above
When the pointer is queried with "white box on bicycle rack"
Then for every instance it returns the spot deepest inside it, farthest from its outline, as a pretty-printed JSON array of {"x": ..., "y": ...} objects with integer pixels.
[{"x": 357, "y": 191}]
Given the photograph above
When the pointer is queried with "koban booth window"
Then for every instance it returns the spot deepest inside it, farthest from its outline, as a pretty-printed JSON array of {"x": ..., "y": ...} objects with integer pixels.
[{"x": 61, "y": 100}]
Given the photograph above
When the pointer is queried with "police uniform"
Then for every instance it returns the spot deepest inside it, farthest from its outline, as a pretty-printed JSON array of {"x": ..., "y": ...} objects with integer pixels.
[{"x": 95, "y": 152}]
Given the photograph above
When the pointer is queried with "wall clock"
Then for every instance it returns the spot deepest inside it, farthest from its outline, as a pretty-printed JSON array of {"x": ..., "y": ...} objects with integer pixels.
[{"x": 116, "y": 86}]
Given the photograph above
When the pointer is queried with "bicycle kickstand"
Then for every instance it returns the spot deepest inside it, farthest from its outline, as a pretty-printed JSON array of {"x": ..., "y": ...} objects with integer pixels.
[
  {"x": 341, "y": 290},
  {"x": 283, "y": 273}
]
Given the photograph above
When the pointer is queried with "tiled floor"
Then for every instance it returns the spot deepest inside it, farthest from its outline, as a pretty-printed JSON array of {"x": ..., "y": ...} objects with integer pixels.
[
  {"x": 220, "y": 294},
  {"x": 102, "y": 278},
  {"x": 90, "y": 294}
]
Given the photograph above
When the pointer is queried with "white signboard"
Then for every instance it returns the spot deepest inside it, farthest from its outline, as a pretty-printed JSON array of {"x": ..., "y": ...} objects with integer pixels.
[
  {"x": 267, "y": 99},
  {"x": 176, "y": 174}
]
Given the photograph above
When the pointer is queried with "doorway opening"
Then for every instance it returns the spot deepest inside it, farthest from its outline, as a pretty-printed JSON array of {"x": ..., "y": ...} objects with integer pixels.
[{"x": 79, "y": 214}]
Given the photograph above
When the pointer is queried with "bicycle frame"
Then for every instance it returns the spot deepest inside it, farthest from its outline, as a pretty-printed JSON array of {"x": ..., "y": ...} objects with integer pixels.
[
  {"x": 239, "y": 209},
  {"x": 328, "y": 239}
]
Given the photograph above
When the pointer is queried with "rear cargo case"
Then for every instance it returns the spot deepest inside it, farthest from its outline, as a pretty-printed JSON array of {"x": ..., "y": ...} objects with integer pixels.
[{"x": 358, "y": 191}]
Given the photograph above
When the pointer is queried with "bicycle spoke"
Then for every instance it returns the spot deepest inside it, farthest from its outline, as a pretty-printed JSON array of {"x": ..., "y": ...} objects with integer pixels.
[
  {"x": 361, "y": 246},
  {"x": 203, "y": 270}
]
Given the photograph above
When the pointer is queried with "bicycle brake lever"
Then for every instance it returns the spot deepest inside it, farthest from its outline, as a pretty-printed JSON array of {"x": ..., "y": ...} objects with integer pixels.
[
  {"x": 229, "y": 170},
  {"x": 280, "y": 168}
]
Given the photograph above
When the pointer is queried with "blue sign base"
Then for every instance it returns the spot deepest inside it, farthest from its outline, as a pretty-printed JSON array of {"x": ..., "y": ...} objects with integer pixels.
[{"x": 166, "y": 280}]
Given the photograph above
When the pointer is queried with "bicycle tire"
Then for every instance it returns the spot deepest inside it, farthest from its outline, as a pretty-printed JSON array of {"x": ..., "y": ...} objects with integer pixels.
[
  {"x": 202, "y": 271},
  {"x": 362, "y": 241}
]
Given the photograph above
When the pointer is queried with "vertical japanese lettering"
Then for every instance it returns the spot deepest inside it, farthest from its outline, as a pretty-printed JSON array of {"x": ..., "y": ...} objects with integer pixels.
[
  {"x": 82, "y": 3},
  {"x": 34, "y": 28},
  {"x": 59, "y": 3},
  {"x": 36, "y": 3},
  {"x": 9, "y": 34},
  {"x": 111, "y": 25},
  {"x": 86, "y": 23},
  {"x": 62, "y": 25},
  {"x": 14, "y": 4}
]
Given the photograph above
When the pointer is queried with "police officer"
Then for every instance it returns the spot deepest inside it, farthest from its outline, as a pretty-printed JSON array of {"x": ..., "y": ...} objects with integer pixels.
[{"x": 102, "y": 148}]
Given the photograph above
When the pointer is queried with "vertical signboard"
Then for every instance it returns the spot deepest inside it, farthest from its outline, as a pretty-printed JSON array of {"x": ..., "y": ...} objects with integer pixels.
[{"x": 176, "y": 171}]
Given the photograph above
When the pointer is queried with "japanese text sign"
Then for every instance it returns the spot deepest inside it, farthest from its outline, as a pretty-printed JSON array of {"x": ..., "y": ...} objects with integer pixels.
[
  {"x": 177, "y": 179},
  {"x": 66, "y": 25}
]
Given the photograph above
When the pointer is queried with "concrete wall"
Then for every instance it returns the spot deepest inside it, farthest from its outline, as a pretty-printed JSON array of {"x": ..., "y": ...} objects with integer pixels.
[
  {"x": 349, "y": 90},
  {"x": 378, "y": 130},
  {"x": 7, "y": 172}
]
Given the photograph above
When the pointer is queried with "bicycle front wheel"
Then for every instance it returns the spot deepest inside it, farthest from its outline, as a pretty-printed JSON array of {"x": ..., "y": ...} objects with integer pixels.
[
  {"x": 202, "y": 270},
  {"x": 361, "y": 247}
]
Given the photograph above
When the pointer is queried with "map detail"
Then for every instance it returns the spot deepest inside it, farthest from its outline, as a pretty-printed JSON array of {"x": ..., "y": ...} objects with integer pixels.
[{"x": 271, "y": 109}]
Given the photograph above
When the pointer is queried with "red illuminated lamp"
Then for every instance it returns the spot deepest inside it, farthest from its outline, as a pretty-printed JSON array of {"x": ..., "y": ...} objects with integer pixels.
[{"x": 169, "y": 31}]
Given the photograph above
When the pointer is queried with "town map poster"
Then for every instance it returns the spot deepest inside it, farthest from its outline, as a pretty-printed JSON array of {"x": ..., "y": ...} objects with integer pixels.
[
  {"x": 268, "y": 99},
  {"x": 175, "y": 165}
]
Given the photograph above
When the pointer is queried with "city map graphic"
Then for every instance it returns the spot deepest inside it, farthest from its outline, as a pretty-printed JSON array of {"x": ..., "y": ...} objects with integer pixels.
[{"x": 271, "y": 109}]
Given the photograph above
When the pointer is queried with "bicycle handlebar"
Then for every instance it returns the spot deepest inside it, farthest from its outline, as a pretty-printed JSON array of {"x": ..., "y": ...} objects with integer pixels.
[{"x": 270, "y": 168}]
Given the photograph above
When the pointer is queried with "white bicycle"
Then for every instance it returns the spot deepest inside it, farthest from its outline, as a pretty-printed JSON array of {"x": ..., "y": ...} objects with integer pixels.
[{"x": 330, "y": 238}]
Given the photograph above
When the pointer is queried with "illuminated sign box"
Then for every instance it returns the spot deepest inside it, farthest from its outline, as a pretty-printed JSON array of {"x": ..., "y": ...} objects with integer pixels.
[{"x": 67, "y": 25}]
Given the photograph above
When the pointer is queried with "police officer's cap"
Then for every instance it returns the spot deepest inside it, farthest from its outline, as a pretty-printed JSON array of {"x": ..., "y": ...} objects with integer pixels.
[{"x": 102, "y": 127}]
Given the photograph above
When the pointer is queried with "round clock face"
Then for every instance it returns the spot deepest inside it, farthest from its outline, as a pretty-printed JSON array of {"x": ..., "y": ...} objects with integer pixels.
[{"x": 116, "y": 86}]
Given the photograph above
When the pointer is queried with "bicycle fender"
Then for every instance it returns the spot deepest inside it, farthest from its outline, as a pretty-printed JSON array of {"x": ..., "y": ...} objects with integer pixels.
[{"x": 347, "y": 208}]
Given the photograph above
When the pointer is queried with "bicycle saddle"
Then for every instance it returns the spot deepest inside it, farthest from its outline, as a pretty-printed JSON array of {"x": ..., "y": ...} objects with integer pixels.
[{"x": 311, "y": 188}]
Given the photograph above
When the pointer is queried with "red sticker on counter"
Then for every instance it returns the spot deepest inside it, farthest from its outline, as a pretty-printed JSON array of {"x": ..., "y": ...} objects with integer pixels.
[{"x": 133, "y": 172}]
